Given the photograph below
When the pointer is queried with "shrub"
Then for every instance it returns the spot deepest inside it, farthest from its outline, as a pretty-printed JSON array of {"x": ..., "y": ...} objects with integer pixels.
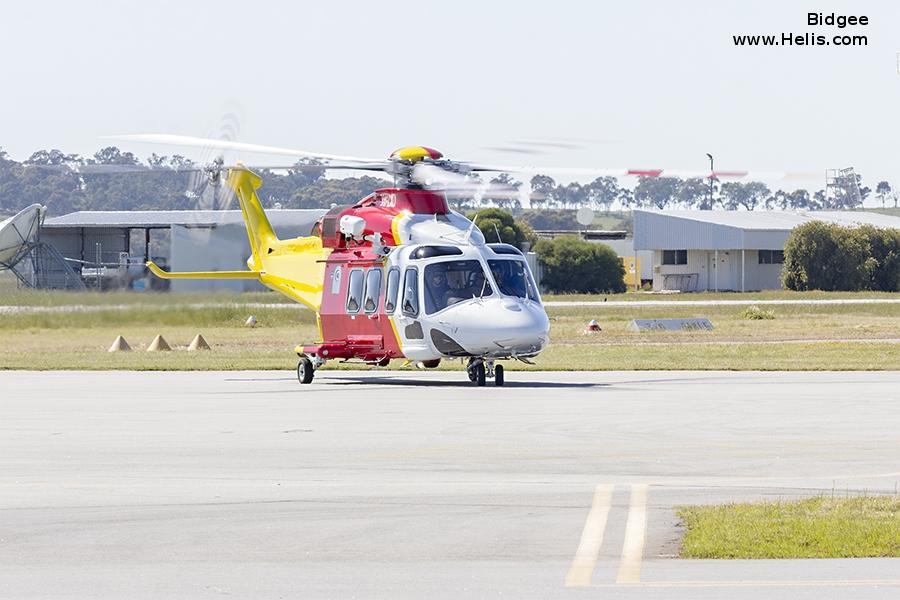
[
  {"x": 571, "y": 265},
  {"x": 826, "y": 256},
  {"x": 884, "y": 245},
  {"x": 492, "y": 221},
  {"x": 755, "y": 313}
]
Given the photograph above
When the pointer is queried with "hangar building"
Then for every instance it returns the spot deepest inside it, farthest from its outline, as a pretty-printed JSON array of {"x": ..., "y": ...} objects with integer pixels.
[
  {"x": 109, "y": 248},
  {"x": 710, "y": 250}
]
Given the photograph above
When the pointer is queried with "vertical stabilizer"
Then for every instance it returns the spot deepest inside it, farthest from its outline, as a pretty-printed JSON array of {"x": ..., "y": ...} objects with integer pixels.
[{"x": 259, "y": 230}]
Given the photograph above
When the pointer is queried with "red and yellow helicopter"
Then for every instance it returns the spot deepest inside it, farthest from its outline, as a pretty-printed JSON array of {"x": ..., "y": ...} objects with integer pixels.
[{"x": 398, "y": 274}]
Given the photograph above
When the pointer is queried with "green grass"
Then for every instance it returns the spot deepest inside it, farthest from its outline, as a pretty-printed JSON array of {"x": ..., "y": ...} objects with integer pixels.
[
  {"x": 800, "y": 337},
  {"x": 820, "y": 527}
]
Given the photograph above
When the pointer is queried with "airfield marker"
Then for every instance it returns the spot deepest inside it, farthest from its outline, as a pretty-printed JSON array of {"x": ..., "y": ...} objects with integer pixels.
[
  {"x": 635, "y": 529},
  {"x": 585, "y": 560}
]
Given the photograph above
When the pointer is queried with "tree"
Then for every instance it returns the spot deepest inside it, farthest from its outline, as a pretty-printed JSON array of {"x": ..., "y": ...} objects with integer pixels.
[
  {"x": 749, "y": 195},
  {"x": 692, "y": 192},
  {"x": 826, "y": 256},
  {"x": 573, "y": 195},
  {"x": 883, "y": 190},
  {"x": 497, "y": 225},
  {"x": 656, "y": 191},
  {"x": 541, "y": 190},
  {"x": 503, "y": 191},
  {"x": 884, "y": 248},
  {"x": 603, "y": 191},
  {"x": 572, "y": 265}
]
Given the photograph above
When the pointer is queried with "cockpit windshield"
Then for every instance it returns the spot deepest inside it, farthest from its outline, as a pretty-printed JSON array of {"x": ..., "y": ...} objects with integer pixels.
[
  {"x": 512, "y": 278},
  {"x": 447, "y": 283}
]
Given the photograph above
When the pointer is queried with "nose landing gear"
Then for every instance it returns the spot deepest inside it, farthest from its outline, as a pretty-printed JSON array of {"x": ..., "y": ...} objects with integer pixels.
[{"x": 480, "y": 370}]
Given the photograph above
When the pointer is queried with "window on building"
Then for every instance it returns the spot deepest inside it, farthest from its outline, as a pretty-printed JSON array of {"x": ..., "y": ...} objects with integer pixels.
[
  {"x": 393, "y": 286},
  {"x": 674, "y": 257},
  {"x": 355, "y": 291},
  {"x": 410, "y": 304},
  {"x": 771, "y": 257},
  {"x": 373, "y": 289}
]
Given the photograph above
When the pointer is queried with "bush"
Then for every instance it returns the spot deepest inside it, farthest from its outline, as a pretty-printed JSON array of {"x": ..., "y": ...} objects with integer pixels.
[
  {"x": 825, "y": 256},
  {"x": 884, "y": 245},
  {"x": 571, "y": 265},
  {"x": 755, "y": 313},
  {"x": 492, "y": 221}
]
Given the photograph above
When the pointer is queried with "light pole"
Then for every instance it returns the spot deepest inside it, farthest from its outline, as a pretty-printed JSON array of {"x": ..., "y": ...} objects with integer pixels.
[{"x": 709, "y": 202}]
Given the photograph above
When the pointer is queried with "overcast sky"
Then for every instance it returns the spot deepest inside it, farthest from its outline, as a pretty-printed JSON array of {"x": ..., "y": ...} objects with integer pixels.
[{"x": 652, "y": 84}]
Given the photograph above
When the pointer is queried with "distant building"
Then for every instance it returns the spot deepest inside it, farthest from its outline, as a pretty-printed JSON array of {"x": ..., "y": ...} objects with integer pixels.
[
  {"x": 706, "y": 250},
  {"x": 109, "y": 248}
]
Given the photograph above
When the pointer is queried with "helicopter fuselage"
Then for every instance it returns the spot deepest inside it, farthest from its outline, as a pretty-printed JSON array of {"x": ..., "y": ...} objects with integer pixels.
[{"x": 416, "y": 280}]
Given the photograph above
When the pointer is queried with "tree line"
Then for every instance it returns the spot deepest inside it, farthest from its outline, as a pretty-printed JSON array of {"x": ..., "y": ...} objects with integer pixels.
[{"x": 66, "y": 183}]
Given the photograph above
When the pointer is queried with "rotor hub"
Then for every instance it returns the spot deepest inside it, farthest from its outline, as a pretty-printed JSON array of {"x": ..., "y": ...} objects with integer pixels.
[{"x": 414, "y": 154}]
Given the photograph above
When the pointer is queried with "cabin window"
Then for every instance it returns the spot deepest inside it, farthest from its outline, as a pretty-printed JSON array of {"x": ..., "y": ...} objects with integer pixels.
[
  {"x": 512, "y": 278},
  {"x": 336, "y": 280},
  {"x": 674, "y": 257},
  {"x": 771, "y": 257},
  {"x": 355, "y": 290},
  {"x": 393, "y": 286},
  {"x": 447, "y": 283},
  {"x": 373, "y": 290},
  {"x": 410, "y": 304}
]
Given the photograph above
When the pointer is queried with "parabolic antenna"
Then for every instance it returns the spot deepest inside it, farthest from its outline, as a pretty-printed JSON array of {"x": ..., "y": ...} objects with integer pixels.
[
  {"x": 584, "y": 216},
  {"x": 17, "y": 232}
]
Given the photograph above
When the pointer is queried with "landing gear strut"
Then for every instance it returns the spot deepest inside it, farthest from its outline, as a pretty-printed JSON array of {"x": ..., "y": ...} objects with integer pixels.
[{"x": 480, "y": 370}]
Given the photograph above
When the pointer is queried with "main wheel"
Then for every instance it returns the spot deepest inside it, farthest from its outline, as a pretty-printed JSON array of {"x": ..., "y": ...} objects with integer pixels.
[
  {"x": 498, "y": 375},
  {"x": 479, "y": 374},
  {"x": 305, "y": 370}
]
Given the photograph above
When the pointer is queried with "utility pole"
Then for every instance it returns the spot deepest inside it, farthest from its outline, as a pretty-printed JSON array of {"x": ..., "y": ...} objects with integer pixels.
[{"x": 709, "y": 201}]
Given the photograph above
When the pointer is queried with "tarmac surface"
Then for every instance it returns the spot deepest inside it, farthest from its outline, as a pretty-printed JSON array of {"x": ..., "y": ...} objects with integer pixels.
[{"x": 418, "y": 485}]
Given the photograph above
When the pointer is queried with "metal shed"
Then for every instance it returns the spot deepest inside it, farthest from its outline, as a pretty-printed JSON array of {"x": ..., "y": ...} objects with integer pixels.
[{"x": 696, "y": 250}]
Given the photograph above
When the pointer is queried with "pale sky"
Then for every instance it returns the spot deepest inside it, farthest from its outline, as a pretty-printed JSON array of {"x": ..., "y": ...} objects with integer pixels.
[{"x": 653, "y": 83}]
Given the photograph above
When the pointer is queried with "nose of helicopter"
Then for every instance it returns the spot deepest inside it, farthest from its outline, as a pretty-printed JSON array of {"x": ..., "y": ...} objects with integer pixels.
[{"x": 497, "y": 326}]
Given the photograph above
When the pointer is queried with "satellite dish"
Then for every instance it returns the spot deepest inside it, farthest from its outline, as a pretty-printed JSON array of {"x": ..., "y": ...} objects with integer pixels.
[
  {"x": 584, "y": 216},
  {"x": 17, "y": 232}
]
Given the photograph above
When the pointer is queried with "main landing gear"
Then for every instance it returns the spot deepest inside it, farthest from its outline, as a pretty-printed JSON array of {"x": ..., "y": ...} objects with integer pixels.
[
  {"x": 480, "y": 370},
  {"x": 306, "y": 367}
]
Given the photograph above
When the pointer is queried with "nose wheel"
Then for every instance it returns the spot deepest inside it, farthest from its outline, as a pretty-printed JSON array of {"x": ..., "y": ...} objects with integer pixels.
[{"x": 479, "y": 371}]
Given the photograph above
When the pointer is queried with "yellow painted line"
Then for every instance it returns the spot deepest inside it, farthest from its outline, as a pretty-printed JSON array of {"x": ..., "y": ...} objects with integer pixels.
[
  {"x": 585, "y": 560},
  {"x": 760, "y": 583},
  {"x": 635, "y": 530}
]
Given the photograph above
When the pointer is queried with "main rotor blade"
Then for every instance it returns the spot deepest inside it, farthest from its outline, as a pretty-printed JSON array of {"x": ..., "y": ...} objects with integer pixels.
[
  {"x": 621, "y": 172},
  {"x": 197, "y": 142}
]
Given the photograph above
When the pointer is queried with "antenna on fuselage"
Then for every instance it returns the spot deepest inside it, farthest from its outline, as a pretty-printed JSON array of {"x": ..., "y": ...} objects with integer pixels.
[{"x": 471, "y": 230}]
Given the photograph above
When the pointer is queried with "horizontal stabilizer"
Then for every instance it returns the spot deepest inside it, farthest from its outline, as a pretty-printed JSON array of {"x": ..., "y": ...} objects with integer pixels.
[{"x": 154, "y": 268}]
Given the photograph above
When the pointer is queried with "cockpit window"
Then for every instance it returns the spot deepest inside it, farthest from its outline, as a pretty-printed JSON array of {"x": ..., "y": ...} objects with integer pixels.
[
  {"x": 512, "y": 278},
  {"x": 447, "y": 283}
]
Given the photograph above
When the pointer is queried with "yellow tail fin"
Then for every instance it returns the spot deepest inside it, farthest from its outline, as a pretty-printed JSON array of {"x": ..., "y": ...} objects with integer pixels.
[
  {"x": 294, "y": 267},
  {"x": 259, "y": 230}
]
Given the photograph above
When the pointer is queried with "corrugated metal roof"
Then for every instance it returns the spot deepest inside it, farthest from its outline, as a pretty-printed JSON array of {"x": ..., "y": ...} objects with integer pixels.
[
  {"x": 775, "y": 220},
  {"x": 735, "y": 230},
  {"x": 167, "y": 218}
]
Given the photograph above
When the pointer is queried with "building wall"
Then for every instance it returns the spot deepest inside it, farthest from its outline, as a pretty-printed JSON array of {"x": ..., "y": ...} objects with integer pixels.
[
  {"x": 702, "y": 264},
  {"x": 625, "y": 247}
]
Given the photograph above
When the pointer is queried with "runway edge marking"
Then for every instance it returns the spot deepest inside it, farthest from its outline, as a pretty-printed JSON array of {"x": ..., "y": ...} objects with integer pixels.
[
  {"x": 635, "y": 532},
  {"x": 588, "y": 552}
]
